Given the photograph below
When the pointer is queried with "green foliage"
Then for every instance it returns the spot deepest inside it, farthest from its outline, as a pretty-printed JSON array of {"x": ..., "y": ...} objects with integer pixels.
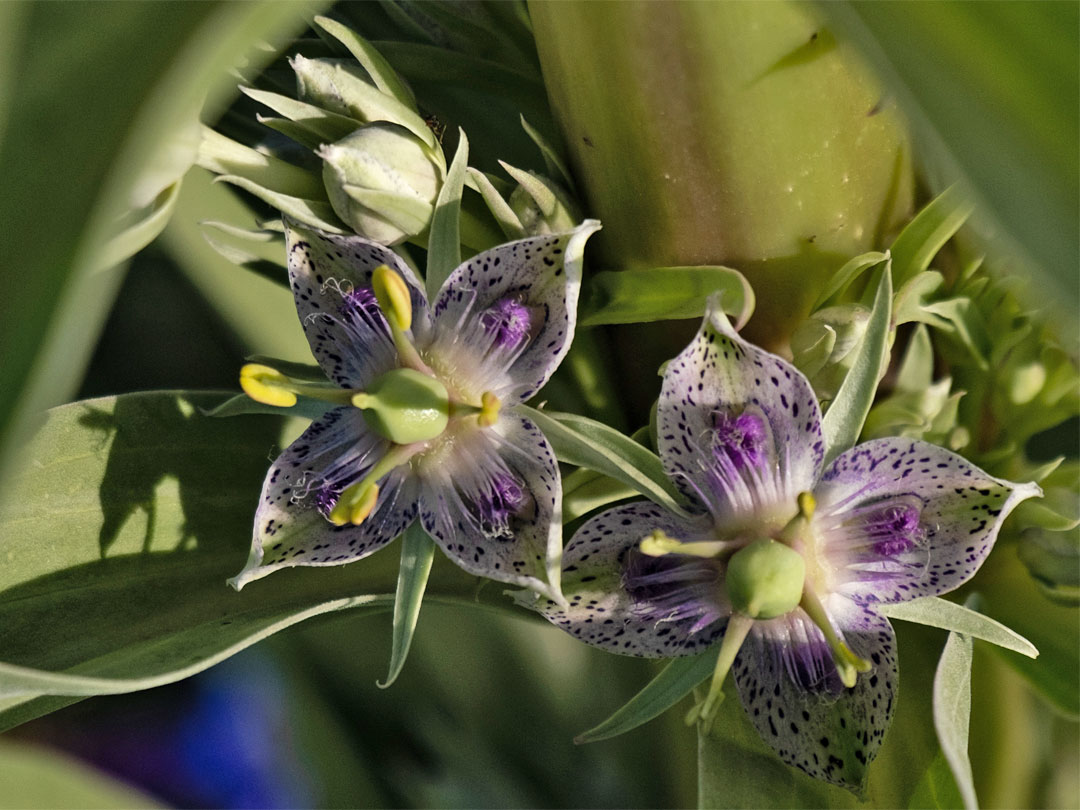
[
  {"x": 992, "y": 93},
  {"x": 154, "y": 520},
  {"x": 952, "y": 711}
]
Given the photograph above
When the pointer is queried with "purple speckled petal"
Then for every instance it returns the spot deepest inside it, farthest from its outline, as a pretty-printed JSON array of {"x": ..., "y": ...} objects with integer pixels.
[
  {"x": 739, "y": 429},
  {"x": 330, "y": 276},
  {"x": 493, "y": 503},
  {"x": 504, "y": 319},
  {"x": 302, "y": 486},
  {"x": 900, "y": 519},
  {"x": 633, "y": 604},
  {"x": 798, "y": 704}
]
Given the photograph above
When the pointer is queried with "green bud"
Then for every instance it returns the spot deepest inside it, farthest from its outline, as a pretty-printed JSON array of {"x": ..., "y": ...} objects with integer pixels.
[
  {"x": 765, "y": 579},
  {"x": 405, "y": 406},
  {"x": 382, "y": 181},
  {"x": 824, "y": 345},
  {"x": 540, "y": 205}
]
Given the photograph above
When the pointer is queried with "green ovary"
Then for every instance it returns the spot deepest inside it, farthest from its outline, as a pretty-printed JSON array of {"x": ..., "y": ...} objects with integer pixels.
[
  {"x": 765, "y": 579},
  {"x": 405, "y": 406}
]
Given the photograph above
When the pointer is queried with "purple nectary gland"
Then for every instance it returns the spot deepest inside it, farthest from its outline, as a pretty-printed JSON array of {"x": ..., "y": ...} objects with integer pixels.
[
  {"x": 894, "y": 529},
  {"x": 673, "y": 588},
  {"x": 502, "y": 500},
  {"x": 326, "y": 498},
  {"x": 361, "y": 303},
  {"x": 741, "y": 440},
  {"x": 508, "y": 321}
]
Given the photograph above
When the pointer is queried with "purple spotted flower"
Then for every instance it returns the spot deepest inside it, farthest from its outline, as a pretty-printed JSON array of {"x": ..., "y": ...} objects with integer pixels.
[
  {"x": 425, "y": 425},
  {"x": 783, "y": 558}
]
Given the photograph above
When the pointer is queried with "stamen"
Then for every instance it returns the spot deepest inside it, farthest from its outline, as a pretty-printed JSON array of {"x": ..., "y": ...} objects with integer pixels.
[
  {"x": 392, "y": 293},
  {"x": 269, "y": 386},
  {"x": 358, "y": 501},
  {"x": 848, "y": 665},
  {"x": 658, "y": 543},
  {"x": 705, "y": 712},
  {"x": 489, "y": 409}
]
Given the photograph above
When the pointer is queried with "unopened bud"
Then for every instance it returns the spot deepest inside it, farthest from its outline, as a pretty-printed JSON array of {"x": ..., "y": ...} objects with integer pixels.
[
  {"x": 383, "y": 182},
  {"x": 824, "y": 345}
]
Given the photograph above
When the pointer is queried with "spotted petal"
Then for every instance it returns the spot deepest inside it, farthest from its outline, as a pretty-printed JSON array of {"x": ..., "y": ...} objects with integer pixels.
[
  {"x": 504, "y": 319},
  {"x": 290, "y": 524},
  {"x": 795, "y": 699},
  {"x": 633, "y": 604},
  {"x": 330, "y": 277},
  {"x": 492, "y": 500},
  {"x": 739, "y": 429},
  {"x": 900, "y": 519}
]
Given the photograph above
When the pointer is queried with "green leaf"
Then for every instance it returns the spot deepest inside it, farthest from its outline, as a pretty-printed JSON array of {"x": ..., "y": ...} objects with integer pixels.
[
  {"x": 138, "y": 235},
  {"x": 842, "y": 278},
  {"x": 674, "y": 682},
  {"x": 324, "y": 126},
  {"x": 586, "y": 490},
  {"x": 384, "y": 76},
  {"x": 664, "y": 293},
  {"x": 41, "y": 777},
  {"x": 937, "y": 612},
  {"x": 843, "y": 421},
  {"x": 225, "y": 156},
  {"x": 916, "y": 372},
  {"x": 937, "y": 788},
  {"x": 500, "y": 209},
  {"x": 243, "y": 405},
  {"x": 952, "y": 711},
  {"x": 125, "y": 519},
  {"x": 1014, "y": 598},
  {"x": 595, "y": 446},
  {"x": 927, "y": 233},
  {"x": 90, "y": 103},
  {"x": 317, "y": 213},
  {"x": 444, "y": 240},
  {"x": 417, "y": 554},
  {"x": 553, "y": 161}
]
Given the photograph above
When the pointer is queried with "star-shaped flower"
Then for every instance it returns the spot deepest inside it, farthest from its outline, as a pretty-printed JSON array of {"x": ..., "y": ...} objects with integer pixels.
[
  {"x": 783, "y": 557},
  {"x": 426, "y": 424}
]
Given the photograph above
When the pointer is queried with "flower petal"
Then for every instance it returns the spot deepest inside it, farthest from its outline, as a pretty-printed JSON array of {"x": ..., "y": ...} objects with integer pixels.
[
  {"x": 633, "y": 604},
  {"x": 291, "y": 527},
  {"x": 739, "y": 429},
  {"x": 504, "y": 319},
  {"x": 330, "y": 276},
  {"x": 797, "y": 703},
  {"x": 900, "y": 519},
  {"x": 492, "y": 500}
]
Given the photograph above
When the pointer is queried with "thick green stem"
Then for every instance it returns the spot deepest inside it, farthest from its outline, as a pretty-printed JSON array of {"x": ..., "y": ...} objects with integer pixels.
[{"x": 740, "y": 134}]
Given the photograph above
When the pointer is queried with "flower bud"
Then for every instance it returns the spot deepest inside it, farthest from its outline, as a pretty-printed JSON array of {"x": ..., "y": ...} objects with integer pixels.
[
  {"x": 765, "y": 579},
  {"x": 824, "y": 345},
  {"x": 382, "y": 181}
]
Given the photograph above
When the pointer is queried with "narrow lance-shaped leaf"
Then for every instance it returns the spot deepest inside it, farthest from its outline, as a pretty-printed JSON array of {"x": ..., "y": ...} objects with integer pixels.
[
  {"x": 937, "y": 612},
  {"x": 664, "y": 293},
  {"x": 586, "y": 443},
  {"x": 500, "y": 209},
  {"x": 674, "y": 682},
  {"x": 952, "y": 711},
  {"x": 444, "y": 238},
  {"x": 384, "y": 76},
  {"x": 842, "y": 278},
  {"x": 417, "y": 554},
  {"x": 844, "y": 420},
  {"x": 317, "y": 213},
  {"x": 927, "y": 233}
]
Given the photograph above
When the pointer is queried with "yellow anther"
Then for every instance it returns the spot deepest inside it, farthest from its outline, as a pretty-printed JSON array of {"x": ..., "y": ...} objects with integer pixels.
[
  {"x": 355, "y": 504},
  {"x": 489, "y": 409},
  {"x": 392, "y": 293},
  {"x": 659, "y": 543},
  {"x": 807, "y": 504},
  {"x": 266, "y": 385}
]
